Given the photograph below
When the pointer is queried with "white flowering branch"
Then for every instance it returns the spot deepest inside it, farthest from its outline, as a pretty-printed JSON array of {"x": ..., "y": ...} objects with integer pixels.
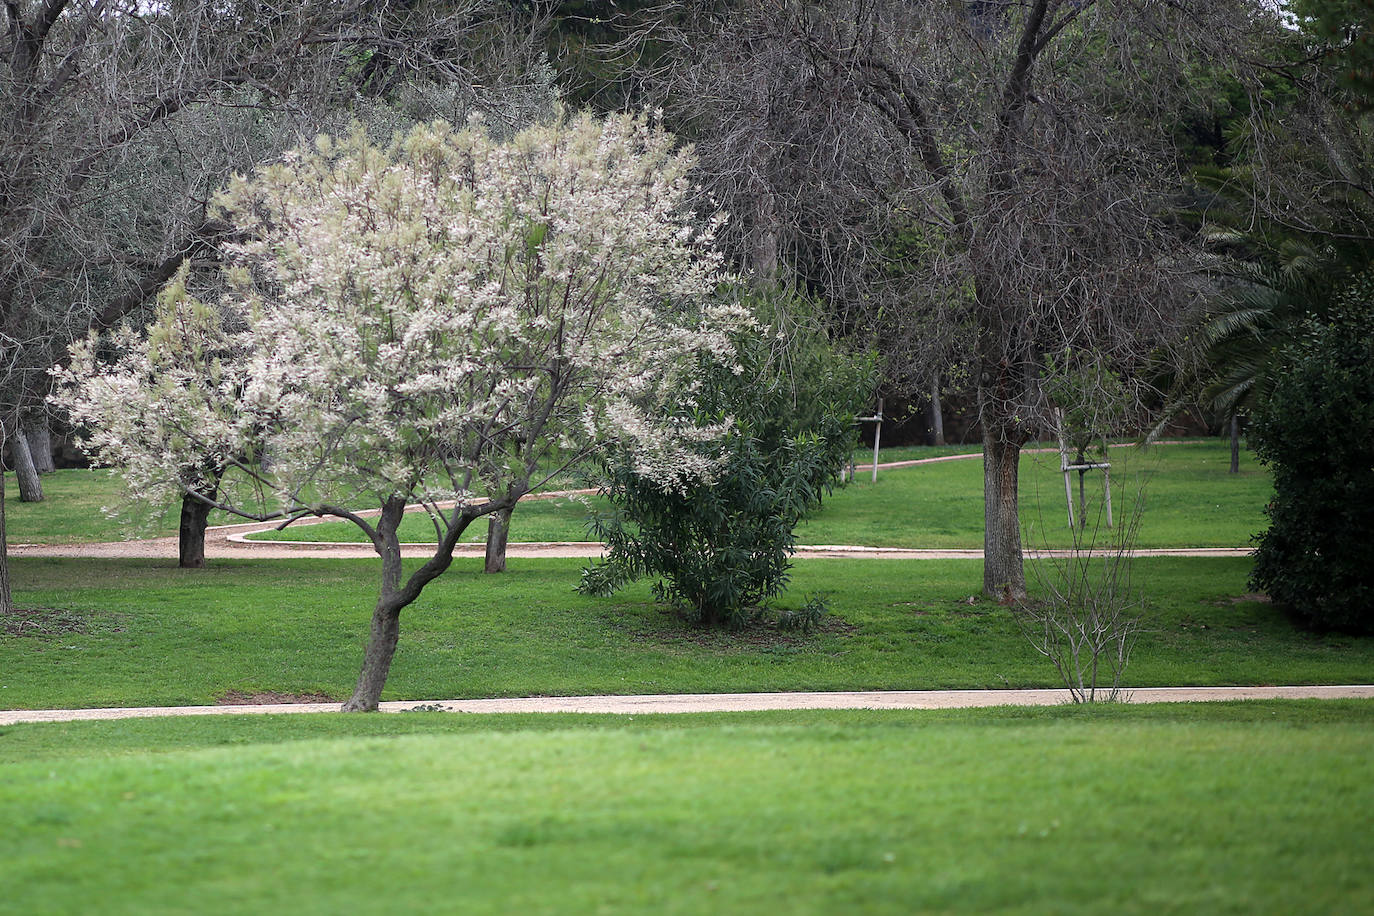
[{"x": 420, "y": 324}]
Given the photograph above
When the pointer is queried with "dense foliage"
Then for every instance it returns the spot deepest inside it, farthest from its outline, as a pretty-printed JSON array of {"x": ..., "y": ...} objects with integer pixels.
[
  {"x": 1315, "y": 428},
  {"x": 723, "y": 544}
]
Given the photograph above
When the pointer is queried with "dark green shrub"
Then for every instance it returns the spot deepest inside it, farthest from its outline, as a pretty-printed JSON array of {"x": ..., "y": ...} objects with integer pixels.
[
  {"x": 1315, "y": 430},
  {"x": 722, "y": 548}
]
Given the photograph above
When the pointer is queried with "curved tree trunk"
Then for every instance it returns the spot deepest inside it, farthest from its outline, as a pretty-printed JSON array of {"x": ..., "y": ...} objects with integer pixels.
[
  {"x": 1004, "y": 575},
  {"x": 381, "y": 647},
  {"x": 30, "y": 486},
  {"x": 386, "y": 614},
  {"x": 395, "y": 595},
  {"x": 498, "y": 531},
  {"x": 40, "y": 446},
  {"x": 195, "y": 513}
]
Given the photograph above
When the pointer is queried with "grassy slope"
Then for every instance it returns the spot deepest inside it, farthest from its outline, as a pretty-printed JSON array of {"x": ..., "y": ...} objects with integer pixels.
[
  {"x": 1254, "y": 808},
  {"x": 1190, "y": 501},
  {"x": 157, "y": 635}
]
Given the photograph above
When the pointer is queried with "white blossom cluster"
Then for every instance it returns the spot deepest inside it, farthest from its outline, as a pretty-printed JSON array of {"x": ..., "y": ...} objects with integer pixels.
[{"x": 425, "y": 320}]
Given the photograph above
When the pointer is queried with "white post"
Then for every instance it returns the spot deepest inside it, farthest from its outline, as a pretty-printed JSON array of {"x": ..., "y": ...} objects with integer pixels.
[
  {"x": 1068, "y": 496},
  {"x": 1107, "y": 485}
]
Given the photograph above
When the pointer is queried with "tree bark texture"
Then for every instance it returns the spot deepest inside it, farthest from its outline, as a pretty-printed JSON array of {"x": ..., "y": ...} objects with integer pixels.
[
  {"x": 195, "y": 513},
  {"x": 1003, "y": 574},
  {"x": 381, "y": 647},
  {"x": 30, "y": 486},
  {"x": 6, "y": 599},
  {"x": 937, "y": 414},
  {"x": 498, "y": 531},
  {"x": 396, "y": 593},
  {"x": 40, "y": 446},
  {"x": 386, "y": 614},
  {"x": 1235, "y": 444}
]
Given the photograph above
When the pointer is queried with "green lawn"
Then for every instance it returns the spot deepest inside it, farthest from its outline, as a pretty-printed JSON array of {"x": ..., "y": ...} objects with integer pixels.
[
  {"x": 1190, "y": 500},
  {"x": 1226, "y": 809},
  {"x": 139, "y": 633},
  {"x": 72, "y": 511}
]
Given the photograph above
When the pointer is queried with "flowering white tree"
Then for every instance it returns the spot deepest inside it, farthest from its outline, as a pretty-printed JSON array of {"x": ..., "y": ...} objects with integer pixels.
[{"x": 425, "y": 324}]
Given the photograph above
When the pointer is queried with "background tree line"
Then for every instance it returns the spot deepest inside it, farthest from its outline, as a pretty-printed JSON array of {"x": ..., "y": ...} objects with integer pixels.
[{"x": 975, "y": 191}]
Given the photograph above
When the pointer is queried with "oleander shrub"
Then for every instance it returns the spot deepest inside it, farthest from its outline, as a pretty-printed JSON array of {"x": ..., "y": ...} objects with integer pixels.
[{"x": 721, "y": 545}]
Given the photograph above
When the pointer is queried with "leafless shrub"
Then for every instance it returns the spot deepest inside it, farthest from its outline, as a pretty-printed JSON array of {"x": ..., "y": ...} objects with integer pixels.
[{"x": 1085, "y": 611}]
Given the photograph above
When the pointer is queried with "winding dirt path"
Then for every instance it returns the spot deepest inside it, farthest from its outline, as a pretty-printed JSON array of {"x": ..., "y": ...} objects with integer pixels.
[{"x": 230, "y": 541}]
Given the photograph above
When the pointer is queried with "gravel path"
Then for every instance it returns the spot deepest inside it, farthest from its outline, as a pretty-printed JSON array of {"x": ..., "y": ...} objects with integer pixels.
[{"x": 719, "y": 702}]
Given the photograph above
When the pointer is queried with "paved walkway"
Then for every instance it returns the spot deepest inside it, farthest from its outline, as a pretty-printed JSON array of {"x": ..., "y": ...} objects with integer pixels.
[{"x": 719, "y": 702}]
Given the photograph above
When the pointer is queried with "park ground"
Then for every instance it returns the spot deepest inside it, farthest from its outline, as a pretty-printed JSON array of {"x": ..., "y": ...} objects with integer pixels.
[{"x": 1255, "y": 807}]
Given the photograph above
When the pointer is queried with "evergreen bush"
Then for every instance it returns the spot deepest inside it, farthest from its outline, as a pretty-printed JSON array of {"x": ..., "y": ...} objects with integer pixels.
[
  {"x": 722, "y": 546},
  {"x": 1315, "y": 430}
]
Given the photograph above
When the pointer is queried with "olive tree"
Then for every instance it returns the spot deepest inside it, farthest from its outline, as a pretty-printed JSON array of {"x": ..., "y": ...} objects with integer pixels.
[{"x": 423, "y": 325}]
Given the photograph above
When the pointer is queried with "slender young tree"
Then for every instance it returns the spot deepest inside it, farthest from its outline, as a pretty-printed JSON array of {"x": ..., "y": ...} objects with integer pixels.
[{"x": 423, "y": 325}]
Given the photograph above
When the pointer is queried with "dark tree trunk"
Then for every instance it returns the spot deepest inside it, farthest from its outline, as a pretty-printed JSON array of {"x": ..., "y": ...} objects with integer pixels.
[
  {"x": 396, "y": 594},
  {"x": 386, "y": 614},
  {"x": 381, "y": 647},
  {"x": 937, "y": 414},
  {"x": 30, "y": 486},
  {"x": 1235, "y": 444},
  {"x": 6, "y": 599},
  {"x": 195, "y": 513},
  {"x": 498, "y": 531},
  {"x": 1004, "y": 576},
  {"x": 40, "y": 446}
]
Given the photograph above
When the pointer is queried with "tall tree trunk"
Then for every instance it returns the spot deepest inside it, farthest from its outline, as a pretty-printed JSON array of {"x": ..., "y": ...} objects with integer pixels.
[
  {"x": 1004, "y": 575},
  {"x": 498, "y": 531},
  {"x": 937, "y": 414},
  {"x": 40, "y": 446},
  {"x": 195, "y": 514},
  {"x": 386, "y": 614},
  {"x": 763, "y": 242},
  {"x": 6, "y": 599},
  {"x": 1235, "y": 444},
  {"x": 30, "y": 486}
]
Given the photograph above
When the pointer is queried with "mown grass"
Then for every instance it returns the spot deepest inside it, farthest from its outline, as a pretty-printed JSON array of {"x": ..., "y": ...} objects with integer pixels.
[
  {"x": 141, "y": 633},
  {"x": 72, "y": 511},
  {"x": 1237, "y": 808},
  {"x": 1189, "y": 500}
]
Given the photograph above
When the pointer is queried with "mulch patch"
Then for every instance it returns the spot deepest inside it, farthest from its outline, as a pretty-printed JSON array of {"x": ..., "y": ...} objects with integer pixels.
[
  {"x": 54, "y": 621},
  {"x": 269, "y": 697}
]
